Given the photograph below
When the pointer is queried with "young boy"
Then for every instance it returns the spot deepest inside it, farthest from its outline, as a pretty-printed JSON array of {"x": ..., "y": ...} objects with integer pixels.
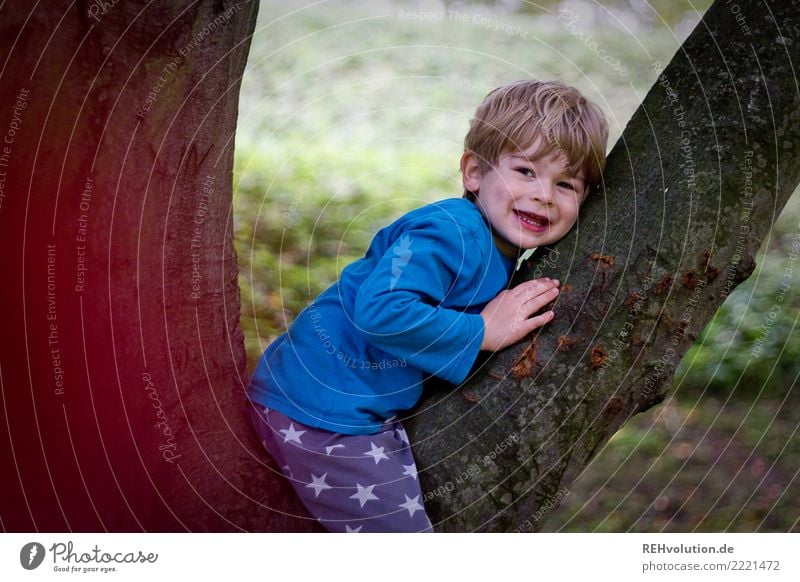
[{"x": 429, "y": 294}]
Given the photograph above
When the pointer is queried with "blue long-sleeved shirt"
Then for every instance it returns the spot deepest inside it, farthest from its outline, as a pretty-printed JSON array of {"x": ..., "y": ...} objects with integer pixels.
[{"x": 358, "y": 354}]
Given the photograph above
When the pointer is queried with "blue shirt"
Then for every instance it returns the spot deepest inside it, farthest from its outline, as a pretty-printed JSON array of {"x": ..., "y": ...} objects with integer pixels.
[{"x": 358, "y": 354}]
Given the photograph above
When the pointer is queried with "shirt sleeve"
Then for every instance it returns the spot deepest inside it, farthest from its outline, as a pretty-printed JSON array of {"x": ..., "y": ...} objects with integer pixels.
[{"x": 398, "y": 307}]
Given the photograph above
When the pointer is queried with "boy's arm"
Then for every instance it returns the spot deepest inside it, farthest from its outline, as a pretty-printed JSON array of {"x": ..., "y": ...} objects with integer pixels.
[{"x": 398, "y": 307}]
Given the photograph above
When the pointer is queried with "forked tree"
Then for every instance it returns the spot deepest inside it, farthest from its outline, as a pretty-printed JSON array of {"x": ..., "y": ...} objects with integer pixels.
[{"x": 122, "y": 367}]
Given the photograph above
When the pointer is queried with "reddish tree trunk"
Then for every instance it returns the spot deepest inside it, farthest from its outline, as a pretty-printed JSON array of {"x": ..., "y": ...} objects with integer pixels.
[{"x": 122, "y": 361}]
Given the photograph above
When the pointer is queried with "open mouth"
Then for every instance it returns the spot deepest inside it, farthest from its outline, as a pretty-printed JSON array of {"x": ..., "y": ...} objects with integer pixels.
[{"x": 531, "y": 221}]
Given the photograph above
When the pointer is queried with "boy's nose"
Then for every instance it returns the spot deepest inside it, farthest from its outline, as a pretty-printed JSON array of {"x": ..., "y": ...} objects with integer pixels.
[{"x": 542, "y": 192}]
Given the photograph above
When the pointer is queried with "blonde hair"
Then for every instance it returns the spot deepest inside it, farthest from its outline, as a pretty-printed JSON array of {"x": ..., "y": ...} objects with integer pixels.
[{"x": 513, "y": 116}]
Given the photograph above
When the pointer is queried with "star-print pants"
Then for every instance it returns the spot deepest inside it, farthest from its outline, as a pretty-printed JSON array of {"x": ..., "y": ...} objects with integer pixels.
[{"x": 350, "y": 483}]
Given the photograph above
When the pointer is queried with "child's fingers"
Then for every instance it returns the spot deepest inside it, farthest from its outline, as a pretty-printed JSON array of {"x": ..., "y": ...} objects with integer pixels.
[
  {"x": 537, "y": 321},
  {"x": 530, "y": 289},
  {"x": 529, "y": 305}
]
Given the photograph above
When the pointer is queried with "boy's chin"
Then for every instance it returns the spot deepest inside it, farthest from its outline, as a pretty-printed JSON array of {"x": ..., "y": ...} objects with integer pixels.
[
  {"x": 527, "y": 241},
  {"x": 525, "y": 245},
  {"x": 530, "y": 242}
]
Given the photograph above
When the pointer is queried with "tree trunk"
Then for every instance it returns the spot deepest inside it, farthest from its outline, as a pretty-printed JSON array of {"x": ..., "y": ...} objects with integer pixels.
[
  {"x": 122, "y": 363},
  {"x": 700, "y": 174}
]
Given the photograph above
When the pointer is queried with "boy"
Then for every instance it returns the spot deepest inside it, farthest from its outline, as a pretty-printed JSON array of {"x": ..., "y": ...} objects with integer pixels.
[{"x": 424, "y": 300}]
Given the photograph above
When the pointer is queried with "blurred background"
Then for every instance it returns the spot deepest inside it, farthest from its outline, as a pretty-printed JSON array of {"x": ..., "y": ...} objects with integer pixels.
[{"x": 353, "y": 113}]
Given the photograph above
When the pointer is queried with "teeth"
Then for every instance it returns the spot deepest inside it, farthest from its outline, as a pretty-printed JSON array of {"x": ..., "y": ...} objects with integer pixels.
[{"x": 529, "y": 220}]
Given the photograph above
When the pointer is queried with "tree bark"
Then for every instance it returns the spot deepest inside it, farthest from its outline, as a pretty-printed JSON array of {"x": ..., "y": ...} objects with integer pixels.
[
  {"x": 700, "y": 174},
  {"x": 122, "y": 366}
]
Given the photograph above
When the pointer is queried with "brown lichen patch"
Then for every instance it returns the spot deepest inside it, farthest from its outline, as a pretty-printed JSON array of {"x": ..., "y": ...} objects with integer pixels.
[
  {"x": 689, "y": 279},
  {"x": 604, "y": 260},
  {"x": 469, "y": 396},
  {"x": 680, "y": 327},
  {"x": 526, "y": 363},
  {"x": 613, "y": 407},
  {"x": 633, "y": 299},
  {"x": 664, "y": 284},
  {"x": 598, "y": 356},
  {"x": 636, "y": 340},
  {"x": 565, "y": 289},
  {"x": 710, "y": 271},
  {"x": 565, "y": 343}
]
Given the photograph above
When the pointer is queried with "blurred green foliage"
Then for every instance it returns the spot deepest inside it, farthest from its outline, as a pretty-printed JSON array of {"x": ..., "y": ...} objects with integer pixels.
[{"x": 351, "y": 115}]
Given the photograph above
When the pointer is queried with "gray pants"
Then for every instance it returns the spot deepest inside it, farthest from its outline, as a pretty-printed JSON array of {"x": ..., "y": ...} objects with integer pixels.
[{"x": 350, "y": 483}]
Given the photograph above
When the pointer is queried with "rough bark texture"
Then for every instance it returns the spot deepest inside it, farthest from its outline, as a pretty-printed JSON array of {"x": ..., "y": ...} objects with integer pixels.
[
  {"x": 122, "y": 361},
  {"x": 700, "y": 174}
]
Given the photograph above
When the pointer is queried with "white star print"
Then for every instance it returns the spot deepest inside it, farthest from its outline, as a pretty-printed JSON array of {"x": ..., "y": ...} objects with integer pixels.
[
  {"x": 364, "y": 494},
  {"x": 288, "y": 470},
  {"x": 290, "y": 434},
  {"x": 348, "y": 529},
  {"x": 330, "y": 448},
  {"x": 318, "y": 484},
  {"x": 410, "y": 470},
  {"x": 403, "y": 435},
  {"x": 411, "y": 505},
  {"x": 376, "y": 453},
  {"x": 266, "y": 410}
]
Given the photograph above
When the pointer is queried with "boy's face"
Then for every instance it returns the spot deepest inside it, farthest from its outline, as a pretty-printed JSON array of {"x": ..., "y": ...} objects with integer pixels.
[{"x": 528, "y": 203}]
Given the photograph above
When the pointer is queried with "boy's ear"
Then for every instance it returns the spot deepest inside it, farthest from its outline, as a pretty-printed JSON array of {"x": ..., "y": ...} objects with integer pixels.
[{"x": 470, "y": 172}]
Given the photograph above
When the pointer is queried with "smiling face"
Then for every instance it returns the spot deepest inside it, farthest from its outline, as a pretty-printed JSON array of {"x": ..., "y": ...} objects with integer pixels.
[{"x": 529, "y": 202}]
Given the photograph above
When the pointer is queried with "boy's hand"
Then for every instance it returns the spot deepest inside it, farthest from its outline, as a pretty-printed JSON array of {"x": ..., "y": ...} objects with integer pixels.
[{"x": 507, "y": 317}]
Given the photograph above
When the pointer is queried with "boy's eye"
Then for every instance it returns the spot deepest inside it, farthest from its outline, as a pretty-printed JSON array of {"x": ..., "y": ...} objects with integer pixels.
[
  {"x": 526, "y": 172},
  {"x": 566, "y": 185}
]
